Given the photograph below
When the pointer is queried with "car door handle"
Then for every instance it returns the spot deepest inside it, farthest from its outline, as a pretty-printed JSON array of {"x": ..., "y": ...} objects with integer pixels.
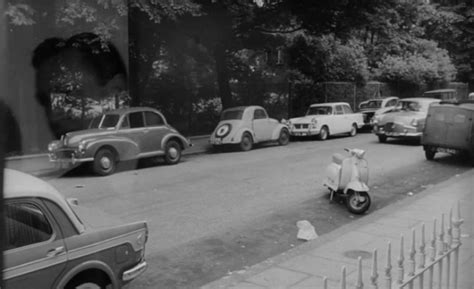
[{"x": 55, "y": 251}]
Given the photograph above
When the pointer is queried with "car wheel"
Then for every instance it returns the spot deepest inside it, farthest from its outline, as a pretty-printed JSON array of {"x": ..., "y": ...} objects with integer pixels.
[
  {"x": 246, "y": 143},
  {"x": 87, "y": 284},
  {"x": 105, "y": 162},
  {"x": 353, "y": 131},
  {"x": 324, "y": 133},
  {"x": 172, "y": 152},
  {"x": 382, "y": 138},
  {"x": 284, "y": 137},
  {"x": 429, "y": 153},
  {"x": 358, "y": 202}
]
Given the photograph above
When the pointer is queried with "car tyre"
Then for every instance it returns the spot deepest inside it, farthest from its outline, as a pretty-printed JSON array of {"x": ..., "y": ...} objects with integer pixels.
[
  {"x": 246, "y": 143},
  {"x": 324, "y": 133},
  {"x": 353, "y": 131},
  {"x": 284, "y": 137},
  {"x": 429, "y": 153},
  {"x": 172, "y": 152},
  {"x": 382, "y": 138},
  {"x": 87, "y": 284},
  {"x": 105, "y": 162},
  {"x": 354, "y": 203}
]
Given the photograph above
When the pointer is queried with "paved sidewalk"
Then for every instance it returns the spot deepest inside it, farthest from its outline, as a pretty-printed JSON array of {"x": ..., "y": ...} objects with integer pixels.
[
  {"x": 40, "y": 165},
  {"x": 306, "y": 265}
]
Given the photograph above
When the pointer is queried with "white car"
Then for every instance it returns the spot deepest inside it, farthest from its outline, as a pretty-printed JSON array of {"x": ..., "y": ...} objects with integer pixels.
[
  {"x": 327, "y": 119},
  {"x": 376, "y": 106},
  {"x": 246, "y": 126}
]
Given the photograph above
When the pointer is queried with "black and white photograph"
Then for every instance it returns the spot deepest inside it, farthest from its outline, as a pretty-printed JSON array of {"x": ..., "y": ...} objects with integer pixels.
[{"x": 236, "y": 144}]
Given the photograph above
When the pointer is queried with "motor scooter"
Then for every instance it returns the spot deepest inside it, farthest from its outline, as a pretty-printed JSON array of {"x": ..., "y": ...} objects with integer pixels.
[{"x": 347, "y": 177}]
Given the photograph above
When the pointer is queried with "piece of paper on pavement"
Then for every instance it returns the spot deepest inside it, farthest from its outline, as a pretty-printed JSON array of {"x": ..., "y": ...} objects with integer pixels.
[{"x": 306, "y": 231}]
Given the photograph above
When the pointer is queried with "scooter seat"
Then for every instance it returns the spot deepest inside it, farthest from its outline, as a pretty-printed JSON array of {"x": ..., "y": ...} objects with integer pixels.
[{"x": 337, "y": 158}]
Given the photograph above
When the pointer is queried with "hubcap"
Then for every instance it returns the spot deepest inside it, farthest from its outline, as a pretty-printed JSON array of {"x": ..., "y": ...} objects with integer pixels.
[
  {"x": 358, "y": 200},
  {"x": 105, "y": 162},
  {"x": 323, "y": 134},
  {"x": 173, "y": 152}
]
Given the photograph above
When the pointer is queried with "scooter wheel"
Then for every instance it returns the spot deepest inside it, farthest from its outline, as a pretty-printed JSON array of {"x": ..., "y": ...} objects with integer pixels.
[{"x": 358, "y": 202}]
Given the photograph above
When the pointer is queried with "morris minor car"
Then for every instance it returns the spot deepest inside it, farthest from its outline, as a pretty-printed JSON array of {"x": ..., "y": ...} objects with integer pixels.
[
  {"x": 51, "y": 242},
  {"x": 406, "y": 120},
  {"x": 248, "y": 125},
  {"x": 327, "y": 119},
  {"x": 120, "y": 135}
]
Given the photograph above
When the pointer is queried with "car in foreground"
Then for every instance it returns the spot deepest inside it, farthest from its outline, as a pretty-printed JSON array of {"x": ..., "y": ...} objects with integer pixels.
[
  {"x": 449, "y": 129},
  {"x": 120, "y": 135},
  {"x": 248, "y": 125},
  {"x": 406, "y": 120},
  {"x": 327, "y": 119},
  {"x": 374, "y": 106},
  {"x": 51, "y": 242}
]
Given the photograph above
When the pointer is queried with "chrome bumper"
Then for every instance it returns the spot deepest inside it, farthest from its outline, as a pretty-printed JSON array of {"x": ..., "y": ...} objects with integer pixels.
[
  {"x": 72, "y": 160},
  {"x": 134, "y": 272}
]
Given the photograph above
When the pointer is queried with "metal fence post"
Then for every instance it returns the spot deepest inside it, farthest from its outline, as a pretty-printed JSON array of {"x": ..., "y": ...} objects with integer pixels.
[
  {"x": 400, "y": 262},
  {"x": 421, "y": 254},
  {"x": 457, "y": 221},
  {"x": 388, "y": 267}
]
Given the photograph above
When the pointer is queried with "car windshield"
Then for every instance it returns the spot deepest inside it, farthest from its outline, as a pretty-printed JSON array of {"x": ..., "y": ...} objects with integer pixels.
[
  {"x": 105, "y": 121},
  {"x": 371, "y": 104},
  {"x": 319, "y": 110},
  {"x": 232, "y": 114},
  {"x": 409, "y": 106}
]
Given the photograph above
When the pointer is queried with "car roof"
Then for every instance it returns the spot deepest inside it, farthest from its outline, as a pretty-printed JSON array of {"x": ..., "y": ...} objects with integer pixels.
[
  {"x": 440, "y": 90},
  {"x": 423, "y": 99},
  {"x": 329, "y": 103},
  {"x": 243, "y": 107},
  {"x": 132, "y": 109}
]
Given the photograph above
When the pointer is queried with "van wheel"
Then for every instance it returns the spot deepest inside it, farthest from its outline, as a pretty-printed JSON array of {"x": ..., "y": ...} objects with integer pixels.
[
  {"x": 105, "y": 162},
  {"x": 246, "y": 143},
  {"x": 429, "y": 153},
  {"x": 323, "y": 133},
  {"x": 358, "y": 202},
  {"x": 382, "y": 138}
]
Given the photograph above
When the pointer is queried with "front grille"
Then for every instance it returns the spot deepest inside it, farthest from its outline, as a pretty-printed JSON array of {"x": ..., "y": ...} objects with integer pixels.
[
  {"x": 65, "y": 154},
  {"x": 301, "y": 126},
  {"x": 389, "y": 126}
]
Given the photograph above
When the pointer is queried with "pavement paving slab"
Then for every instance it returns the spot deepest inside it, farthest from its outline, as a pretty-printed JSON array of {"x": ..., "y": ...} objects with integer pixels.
[{"x": 305, "y": 266}]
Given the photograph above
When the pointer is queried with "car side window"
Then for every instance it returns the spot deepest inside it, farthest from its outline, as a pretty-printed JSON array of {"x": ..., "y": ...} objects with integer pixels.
[
  {"x": 339, "y": 110},
  {"x": 136, "y": 119},
  {"x": 347, "y": 109},
  {"x": 125, "y": 123},
  {"x": 392, "y": 102},
  {"x": 259, "y": 114},
  {"x": 153, "y": 119},
  {"x": 25, "y": 224}
]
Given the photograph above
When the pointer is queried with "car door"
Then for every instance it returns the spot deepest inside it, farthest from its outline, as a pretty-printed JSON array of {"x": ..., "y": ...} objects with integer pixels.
[
  {"x": 155, "y": 131},
  {"x": 138, "y": 130},
  {"x": 337, "y": 122},
  {"x": 35, "y": 254},
  {"x": 349, "y": 118},
  {"x": 262, "y": 125}
]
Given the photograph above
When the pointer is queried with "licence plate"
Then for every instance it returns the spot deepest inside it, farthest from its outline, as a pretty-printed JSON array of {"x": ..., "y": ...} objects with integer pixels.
[{"x": 301, "y": 133}]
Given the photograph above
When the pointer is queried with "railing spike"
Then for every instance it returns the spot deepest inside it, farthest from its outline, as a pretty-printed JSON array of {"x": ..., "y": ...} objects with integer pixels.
[
  {"x": 359, "y": 284},
  {"x": 388, "y": 267},
  {"x": 343, "y": 278},
  {"x": 400, "y": 262},
  {"x": 325, "y": 282},
  {"x": 374, "y": 276}
]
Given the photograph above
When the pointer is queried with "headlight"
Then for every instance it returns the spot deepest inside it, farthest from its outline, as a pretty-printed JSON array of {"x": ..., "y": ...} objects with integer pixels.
[
  {"x": 52, "y": 146},
  {"x": 82, "y": 146},
  {"x": 223, "y": 130},
  {"x": 414, "y": 122}
]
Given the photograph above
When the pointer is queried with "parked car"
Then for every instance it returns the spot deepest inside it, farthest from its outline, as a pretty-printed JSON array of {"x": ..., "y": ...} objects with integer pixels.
[
  {"x": 449, "y": 128},
  {"x": 327, "y": 119},
  {"x": 406, "y": 120},
  {"x": 51, "y": 242},
  {"x": 246, "y": 126},
  {"x": 120, "y": 135},
  {"x": 370, "y": 107}
]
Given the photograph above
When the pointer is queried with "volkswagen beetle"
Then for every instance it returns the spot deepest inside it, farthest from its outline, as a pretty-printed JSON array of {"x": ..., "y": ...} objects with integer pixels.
[{"x": 248, "y": 125}]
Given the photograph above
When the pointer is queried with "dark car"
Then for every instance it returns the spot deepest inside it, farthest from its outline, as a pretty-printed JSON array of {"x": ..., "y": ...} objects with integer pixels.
[
  {"x": 51, "y": 242},
  {"x": 120, "y": 135}
]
